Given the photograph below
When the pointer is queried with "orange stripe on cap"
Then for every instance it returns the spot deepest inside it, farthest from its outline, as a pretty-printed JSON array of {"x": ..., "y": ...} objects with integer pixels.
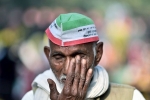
[{"x": 52, "y": 38}]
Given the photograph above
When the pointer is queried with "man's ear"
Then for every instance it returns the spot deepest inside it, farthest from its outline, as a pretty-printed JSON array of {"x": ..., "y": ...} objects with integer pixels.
[
  {"x": 99, "y": 52},
  {"x": 47, "y": 51}
]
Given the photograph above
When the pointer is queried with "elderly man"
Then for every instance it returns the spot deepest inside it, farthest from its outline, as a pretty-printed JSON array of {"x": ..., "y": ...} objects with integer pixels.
[{"x": 73, "y": 54}]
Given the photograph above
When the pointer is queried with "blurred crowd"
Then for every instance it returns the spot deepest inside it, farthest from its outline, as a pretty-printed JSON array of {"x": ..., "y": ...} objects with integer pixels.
[{"x": 126, "y": 40}]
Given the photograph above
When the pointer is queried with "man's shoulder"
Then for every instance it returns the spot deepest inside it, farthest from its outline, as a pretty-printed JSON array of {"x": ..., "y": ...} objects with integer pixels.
[
  {"x": 28, "y": 96},
  {"x": 41, "y": 81},
  {"x": 118, "y": 92},
  {"x": 121, "y": 86},
  {"x": 39, "y": 94}
]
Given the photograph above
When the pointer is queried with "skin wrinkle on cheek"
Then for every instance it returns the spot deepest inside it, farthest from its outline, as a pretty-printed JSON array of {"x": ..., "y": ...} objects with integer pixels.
[
  {"x": 94, "y": 53},
  {"x": 55, "y": 70}
]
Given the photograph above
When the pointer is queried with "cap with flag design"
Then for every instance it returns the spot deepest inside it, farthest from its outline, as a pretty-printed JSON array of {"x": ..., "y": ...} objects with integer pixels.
[{"x": 72, "y": 29}]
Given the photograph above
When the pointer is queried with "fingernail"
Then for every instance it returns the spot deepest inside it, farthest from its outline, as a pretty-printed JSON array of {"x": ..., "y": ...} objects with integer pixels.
[
  {"x": 90, "y": 70},
  {"x": 77, "y": 58},
  {"x": 73, "y": 60},
  {"x": 83, "y": 61},
  {"x": 49, "y": 81}
]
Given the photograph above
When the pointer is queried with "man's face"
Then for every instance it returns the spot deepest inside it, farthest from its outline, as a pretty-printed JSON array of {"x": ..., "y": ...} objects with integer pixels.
[{"x": 59, "y": 57}]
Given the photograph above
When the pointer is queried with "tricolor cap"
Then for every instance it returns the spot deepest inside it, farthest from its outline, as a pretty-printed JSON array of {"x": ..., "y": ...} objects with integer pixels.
[{"x": 72, "y": 29}]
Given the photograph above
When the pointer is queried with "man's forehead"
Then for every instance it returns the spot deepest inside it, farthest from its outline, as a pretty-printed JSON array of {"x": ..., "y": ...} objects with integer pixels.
[{"x": 82, "y": 47}]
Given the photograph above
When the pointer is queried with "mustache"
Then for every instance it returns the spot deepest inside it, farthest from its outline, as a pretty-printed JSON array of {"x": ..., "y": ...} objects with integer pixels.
[{"x": 62, "y": 77}]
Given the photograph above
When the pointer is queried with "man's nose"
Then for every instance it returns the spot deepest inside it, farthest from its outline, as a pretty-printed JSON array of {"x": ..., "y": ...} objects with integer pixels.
[{"x": 66, "y": 65}]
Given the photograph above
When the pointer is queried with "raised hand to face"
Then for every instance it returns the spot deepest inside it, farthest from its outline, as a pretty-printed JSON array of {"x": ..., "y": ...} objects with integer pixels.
[{"x": 76, "y": 84}]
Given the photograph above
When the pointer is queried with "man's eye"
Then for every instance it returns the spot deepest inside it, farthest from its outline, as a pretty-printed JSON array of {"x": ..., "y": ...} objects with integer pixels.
[{"x": 58, "y": 57}]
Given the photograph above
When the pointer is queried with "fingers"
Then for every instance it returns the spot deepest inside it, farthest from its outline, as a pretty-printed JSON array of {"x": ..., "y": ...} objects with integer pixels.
[
  {"x": 53, "y": 91},
  {"x": 70, "y": 77},
  {"x": 77, "y": 75},
  {"x": 78, "y": 78},
  {"x": 88, "y": 79},
  {"x": 83, "y": 73}
]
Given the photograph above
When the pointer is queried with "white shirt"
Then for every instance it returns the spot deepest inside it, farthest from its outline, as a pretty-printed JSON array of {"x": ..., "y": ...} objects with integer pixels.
[
  {"x": 42, "y": 95},
  {"x": 97, "y": 87}
]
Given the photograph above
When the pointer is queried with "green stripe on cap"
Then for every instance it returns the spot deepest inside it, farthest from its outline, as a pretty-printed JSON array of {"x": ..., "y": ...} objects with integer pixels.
[{"x": 72, "y": 20}]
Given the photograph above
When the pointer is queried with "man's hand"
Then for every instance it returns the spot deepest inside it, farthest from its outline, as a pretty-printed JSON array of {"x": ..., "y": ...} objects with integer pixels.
[{"x": 77, "y": 82}]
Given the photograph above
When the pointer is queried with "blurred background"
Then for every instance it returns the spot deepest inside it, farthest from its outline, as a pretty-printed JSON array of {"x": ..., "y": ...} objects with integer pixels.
[{"x": 123, "y": 26}]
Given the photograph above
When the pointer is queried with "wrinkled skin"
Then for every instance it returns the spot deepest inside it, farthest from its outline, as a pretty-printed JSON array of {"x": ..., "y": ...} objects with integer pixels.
[{"x": 76, "y": 63}]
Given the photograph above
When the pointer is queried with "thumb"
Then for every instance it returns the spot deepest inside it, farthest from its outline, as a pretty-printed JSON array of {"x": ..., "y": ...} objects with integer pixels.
[{"x": 53, "y": 91}]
